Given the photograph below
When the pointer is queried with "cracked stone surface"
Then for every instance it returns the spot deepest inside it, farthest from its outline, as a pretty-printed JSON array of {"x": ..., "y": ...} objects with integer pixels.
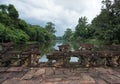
[{"x": 52, "y": 75}]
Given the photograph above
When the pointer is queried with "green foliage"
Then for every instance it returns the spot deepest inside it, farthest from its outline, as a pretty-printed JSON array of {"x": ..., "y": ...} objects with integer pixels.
[
  {"x": 50, "y": 27},
  {"x": 68, "y": 34},
  {"x": 104, "y": 27},
  {"x": 21, "y": 36},
  {"x": 106, "y": 24},
  {"x": 3, "y": 8},
  {"x": 40, "y": 34},
  {"x": 5, "y": 19},
  {"x": 11, "y": 34},
  {"x": 13, "y": 13},
  {"x": 83, "y": 30},
  {"x": 59, "y": 38},
  {"x": 9, "y": 15},
  {"x": 17, "y": 30},
  {"x": 22, "y": 25}
]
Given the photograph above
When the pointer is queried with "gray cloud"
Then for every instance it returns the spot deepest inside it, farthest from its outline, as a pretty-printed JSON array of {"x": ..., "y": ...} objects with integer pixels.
[{"x": 63, "y": 13}]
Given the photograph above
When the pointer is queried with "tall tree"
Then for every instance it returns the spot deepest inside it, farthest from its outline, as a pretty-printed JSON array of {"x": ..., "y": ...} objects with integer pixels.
[
  {"x": 50, "y": 27},
  {"x": 107, "y": 22},
  {"x": 68, "y": 34},
  {"x": 3, "y": 8},
  {"x": 82, "y": 30},
  {"x": 12, "y": 28},
  {"x": 13, "y": 13}
]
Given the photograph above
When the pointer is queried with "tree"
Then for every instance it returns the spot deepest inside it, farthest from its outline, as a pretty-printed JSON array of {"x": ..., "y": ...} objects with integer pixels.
[
  {"x": 11, "y": 34},
  {"x": 13, "y": 13},
  {"x": 107, "y": 22},
  {"x": 5, "y": 19},
  {"x": 50, "y": 27},
  {"x": 3, "y": 8},
  {"x": 82, "y": 29},
  {"x": 12, "y": 28},
  {"x": 23, "y": 25},
  {"x": 68, "y": 34}
]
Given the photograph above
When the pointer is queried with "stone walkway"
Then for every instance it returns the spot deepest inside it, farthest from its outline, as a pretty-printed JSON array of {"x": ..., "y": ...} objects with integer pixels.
[{"x": 52, "y": 75}]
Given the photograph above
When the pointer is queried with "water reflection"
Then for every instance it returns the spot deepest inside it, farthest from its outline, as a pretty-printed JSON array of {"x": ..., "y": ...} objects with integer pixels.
[
  {"x": 43, "y": 59},
  {"x": 74, "y": 59},
  {"x": 48, "y": 49},
  {"x": 55, "y": 47}
]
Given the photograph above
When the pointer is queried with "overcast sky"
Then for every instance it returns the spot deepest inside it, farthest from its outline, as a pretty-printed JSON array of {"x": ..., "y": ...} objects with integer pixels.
[{"x": 63, "y": 13}]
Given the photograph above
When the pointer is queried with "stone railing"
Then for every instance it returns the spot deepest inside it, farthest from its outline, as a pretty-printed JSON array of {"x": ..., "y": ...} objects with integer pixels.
[{"x": 87, "y": 55}]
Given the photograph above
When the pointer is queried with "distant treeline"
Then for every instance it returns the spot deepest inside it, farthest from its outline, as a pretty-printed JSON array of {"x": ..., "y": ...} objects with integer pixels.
[
  {"x": 104, "y": 27},
  {"x": 14, "y": 29}
]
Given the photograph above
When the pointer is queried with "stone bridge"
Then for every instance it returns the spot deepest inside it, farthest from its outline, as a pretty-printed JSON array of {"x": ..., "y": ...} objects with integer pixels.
[
  {"x": 87, "y": 55},
  {"x": 10, "y": 57}
]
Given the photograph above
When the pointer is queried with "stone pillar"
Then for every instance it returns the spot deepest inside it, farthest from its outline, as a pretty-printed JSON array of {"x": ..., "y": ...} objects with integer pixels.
[{"x": 29, "y": 60}]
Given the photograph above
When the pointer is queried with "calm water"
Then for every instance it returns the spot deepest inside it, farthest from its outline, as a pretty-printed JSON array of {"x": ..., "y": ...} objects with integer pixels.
[{"x": 44, "y": 59}]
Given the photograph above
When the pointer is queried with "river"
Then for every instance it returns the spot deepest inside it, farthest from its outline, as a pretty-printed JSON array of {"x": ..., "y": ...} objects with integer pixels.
[{"x": 44, "y": 59}]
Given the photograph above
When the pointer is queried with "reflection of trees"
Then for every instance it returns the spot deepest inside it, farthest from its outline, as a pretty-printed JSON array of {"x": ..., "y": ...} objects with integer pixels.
[
  {"x": 45, "y": 48},
  {"x": 74, "y": 45}
]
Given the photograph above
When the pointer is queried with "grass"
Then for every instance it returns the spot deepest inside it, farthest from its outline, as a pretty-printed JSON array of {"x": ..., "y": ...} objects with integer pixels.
[
  {"x": 31, "y": 42},
  {"x": 94, "y": 41}
]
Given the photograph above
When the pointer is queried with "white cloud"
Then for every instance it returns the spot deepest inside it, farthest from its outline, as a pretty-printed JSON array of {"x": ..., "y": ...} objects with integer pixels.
[{"x": 63, "y": 13}]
